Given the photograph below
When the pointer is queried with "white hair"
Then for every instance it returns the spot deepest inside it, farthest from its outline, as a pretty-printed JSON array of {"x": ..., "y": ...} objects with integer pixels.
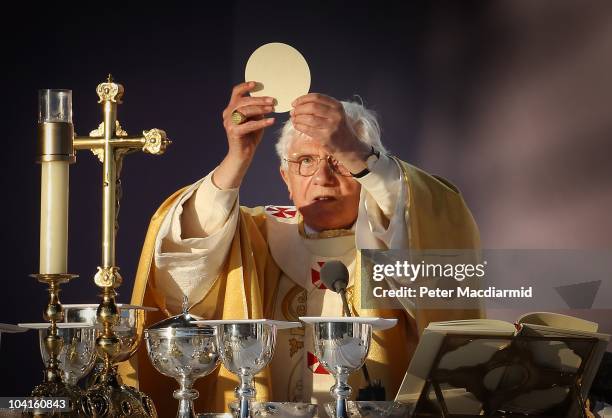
[{"x": 362, "y": 121}]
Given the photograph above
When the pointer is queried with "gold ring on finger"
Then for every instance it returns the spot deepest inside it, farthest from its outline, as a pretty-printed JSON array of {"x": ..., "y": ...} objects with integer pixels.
[{"x": 238, "y": 118}]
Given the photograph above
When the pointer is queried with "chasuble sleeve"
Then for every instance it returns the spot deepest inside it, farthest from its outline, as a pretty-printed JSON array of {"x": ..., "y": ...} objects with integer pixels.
[
  {"x": 193, "y": 242},
  {"x": 381, "y": 222},
  {"x": 429, "y": 213},
  {"x": 382, "y": 184}
]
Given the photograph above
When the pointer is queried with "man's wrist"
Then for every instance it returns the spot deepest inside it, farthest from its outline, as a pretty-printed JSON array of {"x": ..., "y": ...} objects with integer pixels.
[
  {"x": 231, "y": 171},
  {"x": 370, "y": 159},
  {"x": 354, "y": 160}
]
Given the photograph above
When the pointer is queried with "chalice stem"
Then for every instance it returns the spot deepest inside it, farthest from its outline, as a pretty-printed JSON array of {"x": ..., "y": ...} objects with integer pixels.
[
  {"x": 245, "y": 392},
  {"x": 185, "y": 395},
  {"x": 341, "y": 391},
  {"x": 341, "y": 408},
  {"x": 185, "y": 409},
  {"x": 244, "y": 407}
]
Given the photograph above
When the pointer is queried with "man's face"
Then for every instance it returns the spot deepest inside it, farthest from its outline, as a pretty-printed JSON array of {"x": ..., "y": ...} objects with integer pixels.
[{"x": 327, "y": 199}]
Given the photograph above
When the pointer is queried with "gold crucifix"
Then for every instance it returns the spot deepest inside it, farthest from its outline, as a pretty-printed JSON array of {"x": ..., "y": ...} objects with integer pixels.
[{"x": 110, "y": 143}]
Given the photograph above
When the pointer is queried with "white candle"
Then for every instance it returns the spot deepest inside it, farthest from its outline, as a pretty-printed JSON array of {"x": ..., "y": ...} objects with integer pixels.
[{"x": 54, "y": 217}]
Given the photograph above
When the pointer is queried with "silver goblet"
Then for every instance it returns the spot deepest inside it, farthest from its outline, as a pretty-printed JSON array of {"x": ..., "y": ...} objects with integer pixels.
[
  {"x": 342, "y": 346},
  {"x": 78, "y": 354},
  {"x": 127, "y": 330},
  {"x": 246, "y": 347},
  {"x": 71, "y": 351},
  {"x": 106, "y": 393}
]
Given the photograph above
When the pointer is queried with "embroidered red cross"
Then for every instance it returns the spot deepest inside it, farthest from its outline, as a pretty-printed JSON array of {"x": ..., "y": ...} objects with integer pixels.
[
  {"x": 315, "y": 365},
  {"x": 315, "y": 275},
  {"x": 282, "y": 211}
]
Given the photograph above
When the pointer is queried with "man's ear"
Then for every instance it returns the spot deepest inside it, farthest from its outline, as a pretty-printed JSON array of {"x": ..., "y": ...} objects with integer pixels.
[{"x": 285, "y": 177}]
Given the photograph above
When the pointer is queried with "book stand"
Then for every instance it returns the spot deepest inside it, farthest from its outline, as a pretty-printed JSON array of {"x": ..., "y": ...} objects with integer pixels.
[{"x": 518, "y": 355}]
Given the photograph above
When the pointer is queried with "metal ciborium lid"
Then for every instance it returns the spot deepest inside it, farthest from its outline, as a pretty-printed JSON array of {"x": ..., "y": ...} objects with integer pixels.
[
  {"x": 182, "y": 320},
  {"x": 181, "y": 349}
]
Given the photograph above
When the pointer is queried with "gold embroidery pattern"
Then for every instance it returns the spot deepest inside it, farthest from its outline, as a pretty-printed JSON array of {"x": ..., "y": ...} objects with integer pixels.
[
  {"x": 331, "y": 233},
  {"x": 295, "y": 346},
  {"x": 349, "y": 296},
  {"x": 293, "y": 306}
]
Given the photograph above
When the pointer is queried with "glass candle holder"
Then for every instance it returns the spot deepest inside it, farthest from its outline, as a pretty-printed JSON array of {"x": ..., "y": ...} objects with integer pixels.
[{"x": 54, "y": 105}]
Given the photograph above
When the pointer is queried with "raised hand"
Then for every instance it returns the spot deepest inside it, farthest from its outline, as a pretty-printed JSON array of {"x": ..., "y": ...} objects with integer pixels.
[
  {"x": 242, "y": 139},
  {"x": 323, "y": 118}
]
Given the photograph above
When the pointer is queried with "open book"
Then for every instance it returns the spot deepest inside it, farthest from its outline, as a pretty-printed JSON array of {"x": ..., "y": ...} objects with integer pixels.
[{"x": 493, "y": 336}]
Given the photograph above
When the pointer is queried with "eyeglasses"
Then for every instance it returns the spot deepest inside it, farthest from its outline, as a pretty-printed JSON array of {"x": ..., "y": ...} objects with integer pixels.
[{"x": 307, "y": 165}]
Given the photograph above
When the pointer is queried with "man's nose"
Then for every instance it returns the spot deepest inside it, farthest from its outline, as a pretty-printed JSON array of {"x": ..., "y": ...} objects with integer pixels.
[{"x": 324, "y": 176}]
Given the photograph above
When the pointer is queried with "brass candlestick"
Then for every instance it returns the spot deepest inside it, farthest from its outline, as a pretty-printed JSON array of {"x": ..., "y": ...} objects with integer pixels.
[
  {"x": 53, "y": 385},
  {"x": 110, "y": 143},
  {"x": 55, "y": 154}
]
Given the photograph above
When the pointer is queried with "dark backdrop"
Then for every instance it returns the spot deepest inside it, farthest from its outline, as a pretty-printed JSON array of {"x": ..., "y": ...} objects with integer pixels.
[{"x": 436, "y": 72}]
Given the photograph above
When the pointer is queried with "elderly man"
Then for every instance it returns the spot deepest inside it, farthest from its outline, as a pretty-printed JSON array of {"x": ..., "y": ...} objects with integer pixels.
[{"x": 236, "y": 262}]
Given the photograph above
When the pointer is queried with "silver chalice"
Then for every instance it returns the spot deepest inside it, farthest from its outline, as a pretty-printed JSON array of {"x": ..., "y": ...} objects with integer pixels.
[
  {"x": 246, "y": 346},
  {"x": 185, "y": 351},
  {"x": 78, "y": 354},
  {"x": 342, "y": 344},
  {"x": 127, "y": 330},
  {"x": 72, "y": 358},
  {"x": 106, "y": 394}
]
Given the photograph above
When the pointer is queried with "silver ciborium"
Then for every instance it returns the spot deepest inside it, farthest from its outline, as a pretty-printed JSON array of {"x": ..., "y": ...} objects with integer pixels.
[
  {"x": 180, "y": 349},
  {"x": 246, "y": 347},
  {"x": 342, "y": 346}
]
